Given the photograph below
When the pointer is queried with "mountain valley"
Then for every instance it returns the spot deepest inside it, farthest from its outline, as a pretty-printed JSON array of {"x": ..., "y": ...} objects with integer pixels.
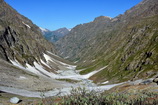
[
  {"x": 117, "y": 54},
  {"x": 126, "y": 43}
]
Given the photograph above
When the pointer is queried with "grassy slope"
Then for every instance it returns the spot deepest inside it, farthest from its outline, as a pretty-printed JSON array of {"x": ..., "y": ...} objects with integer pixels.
[{"x": 129, "y": 56}]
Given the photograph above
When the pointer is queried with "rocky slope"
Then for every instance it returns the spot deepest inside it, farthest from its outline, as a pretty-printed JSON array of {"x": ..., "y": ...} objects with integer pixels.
[
  {"x": 27, "y": 59},
  {"x": 20, "y": 38},
  {"x": 54, "y": 36},
  {"x": 126, "y": 43}
]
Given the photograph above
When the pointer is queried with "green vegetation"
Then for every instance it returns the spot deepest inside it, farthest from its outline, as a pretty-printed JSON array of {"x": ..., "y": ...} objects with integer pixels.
[
  {"x": 81, "y": 96},
  {"x": 94, "y": 66},
  {"x": 90, "y": 69},
  {"x": 128, "y": 58}
]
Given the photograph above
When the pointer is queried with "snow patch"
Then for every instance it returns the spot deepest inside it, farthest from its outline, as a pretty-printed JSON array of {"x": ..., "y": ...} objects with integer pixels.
[
  {"x": 92, "y": 73},
  {"x": 22, "y": 77},
  {"x": 70, "y": 29},
  {"x": 32, "y": 69},
  {"x": 26, "y": 24},
  {"x": 80, "y": 70},
  {"x": 43, "y": 29},
  {"x": 71, "y": 67},
  {"x": 105, "y": 82},
  {"x": 53, "y": 54},
  {"x": 45, "y": 63},
  {"x": 28, "y": 67},
  {"x": 93, "y": 60},
  {"x": 108, "y": 17},
  {"x": 17, "y": 64},
  {"x": 67, "y": 57},
  {"x": 76, "y": 61},
  {"x": 48, "y": 58},
  {"x": 40, "y": 68},
  {"x": 62, "y": 74},
  {"x": 72, "y": 74}
]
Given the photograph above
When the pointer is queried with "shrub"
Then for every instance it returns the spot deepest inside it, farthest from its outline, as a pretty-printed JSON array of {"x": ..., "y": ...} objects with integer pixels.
[{"x": 82, "y": 96}]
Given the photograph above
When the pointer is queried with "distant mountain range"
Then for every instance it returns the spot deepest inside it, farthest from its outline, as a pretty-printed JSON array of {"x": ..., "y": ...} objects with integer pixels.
[{"x": 54, "y": 36}]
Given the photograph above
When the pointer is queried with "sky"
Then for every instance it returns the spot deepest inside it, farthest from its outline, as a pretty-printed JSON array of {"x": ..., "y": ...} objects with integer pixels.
[{"x": 55, "y": 14}]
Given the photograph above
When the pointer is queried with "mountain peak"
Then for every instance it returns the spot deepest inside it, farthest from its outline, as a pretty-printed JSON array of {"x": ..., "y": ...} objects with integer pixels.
[
  {"x": 43, "y": 29},
  {"x": 102, "y": 18},
  {"x": 55, "y": 35},
  {"x": 60, "y": 30}
]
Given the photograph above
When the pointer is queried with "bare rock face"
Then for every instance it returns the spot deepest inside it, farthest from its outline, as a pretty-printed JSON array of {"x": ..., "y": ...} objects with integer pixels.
[{"x": 20, "y": 38}]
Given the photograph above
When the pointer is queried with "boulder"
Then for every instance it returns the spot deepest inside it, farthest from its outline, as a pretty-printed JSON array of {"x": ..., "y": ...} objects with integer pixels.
[
  {"x": 14, "y": 100},
  {"x": 155, "y": 80}
]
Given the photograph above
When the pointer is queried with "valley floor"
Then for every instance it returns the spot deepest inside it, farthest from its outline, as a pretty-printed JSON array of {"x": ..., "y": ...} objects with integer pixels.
[
  {"x": 30, "y": 87},
  {"x": 133, "y": 90}
]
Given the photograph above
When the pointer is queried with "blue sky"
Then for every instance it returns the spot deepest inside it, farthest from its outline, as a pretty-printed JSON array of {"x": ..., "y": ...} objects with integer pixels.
[{"x": 54, "y": 14}]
